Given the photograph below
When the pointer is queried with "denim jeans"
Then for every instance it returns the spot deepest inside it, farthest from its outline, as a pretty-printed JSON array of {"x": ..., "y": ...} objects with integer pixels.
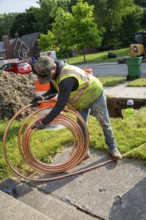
[
  {"x": 99, "y": 110},
  {"x": 85, "y": 114}
]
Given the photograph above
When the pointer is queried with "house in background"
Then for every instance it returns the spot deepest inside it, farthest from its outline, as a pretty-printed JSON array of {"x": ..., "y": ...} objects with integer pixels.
[{"x": 20, "y": 47}]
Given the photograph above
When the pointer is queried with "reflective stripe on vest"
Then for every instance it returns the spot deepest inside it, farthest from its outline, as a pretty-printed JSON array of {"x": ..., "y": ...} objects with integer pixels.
[
  {"x": 40, "y": 90},
  {"x": 89, "y": 88}
]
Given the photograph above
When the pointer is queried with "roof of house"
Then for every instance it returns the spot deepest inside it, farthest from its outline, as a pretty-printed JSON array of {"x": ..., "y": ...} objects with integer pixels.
[
  {"x": 12, "y": 40},
  {"x": 30, "y": 39}
]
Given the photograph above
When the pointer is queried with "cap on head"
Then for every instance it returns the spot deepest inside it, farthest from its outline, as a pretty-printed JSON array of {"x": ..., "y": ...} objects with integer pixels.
[
  {"x": 130, "y": 102},
  {"x": 43, "y": 67}
]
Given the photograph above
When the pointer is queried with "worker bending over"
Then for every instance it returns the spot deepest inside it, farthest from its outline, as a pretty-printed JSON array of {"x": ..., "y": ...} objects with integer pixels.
[{"x": 78, "y": 88}]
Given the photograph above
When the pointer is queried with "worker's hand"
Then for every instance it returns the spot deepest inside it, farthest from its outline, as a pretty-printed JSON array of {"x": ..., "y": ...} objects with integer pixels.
[
  {"x": 35, "y": 101},
  {"x": 38, "y": 125}
]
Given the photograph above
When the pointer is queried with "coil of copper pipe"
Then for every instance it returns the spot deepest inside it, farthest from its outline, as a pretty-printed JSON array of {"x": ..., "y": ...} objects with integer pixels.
[{"x": 25, "y": 134}]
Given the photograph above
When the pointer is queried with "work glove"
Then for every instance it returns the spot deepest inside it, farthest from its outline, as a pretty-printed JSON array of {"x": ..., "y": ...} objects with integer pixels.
[
  {"x": 38, "y": 125},
  {"x": 35, "y": 101}
]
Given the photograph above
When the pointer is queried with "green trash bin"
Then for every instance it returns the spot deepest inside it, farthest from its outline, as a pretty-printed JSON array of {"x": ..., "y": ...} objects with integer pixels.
[{"x": 134, "y": 67}]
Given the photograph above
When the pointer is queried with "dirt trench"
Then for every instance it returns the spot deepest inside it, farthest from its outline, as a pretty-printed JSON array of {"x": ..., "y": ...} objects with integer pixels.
[{"x": 16, "y": 91}]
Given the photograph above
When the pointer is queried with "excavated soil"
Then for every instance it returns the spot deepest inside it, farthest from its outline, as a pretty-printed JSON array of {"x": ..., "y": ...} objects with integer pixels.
[{"x": 16, "y": 91}]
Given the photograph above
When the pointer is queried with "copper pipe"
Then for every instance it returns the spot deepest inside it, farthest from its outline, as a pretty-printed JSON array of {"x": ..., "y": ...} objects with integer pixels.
[
  {"x": 78, "y": 152},
  {"x": 76, "y": 156}
]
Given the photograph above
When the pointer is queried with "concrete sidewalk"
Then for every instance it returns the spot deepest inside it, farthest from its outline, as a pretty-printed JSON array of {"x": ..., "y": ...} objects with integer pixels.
[
  {"x": 122, "y": 91},
  {"x": 115, "y": 191}
]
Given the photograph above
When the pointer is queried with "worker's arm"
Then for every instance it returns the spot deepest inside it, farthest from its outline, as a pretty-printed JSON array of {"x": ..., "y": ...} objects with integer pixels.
[
  {"x": 50, "y": 93},
  {"x": 65, "y": 88}
]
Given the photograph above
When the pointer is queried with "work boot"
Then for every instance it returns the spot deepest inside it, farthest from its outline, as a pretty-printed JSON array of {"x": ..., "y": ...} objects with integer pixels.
[{"x": 115, "y": 153}]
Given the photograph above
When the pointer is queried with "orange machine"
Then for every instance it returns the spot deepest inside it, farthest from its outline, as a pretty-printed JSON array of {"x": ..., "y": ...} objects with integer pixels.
[
  {"x": 138, "y": 47},
  {"x": 41, "y": 89}
]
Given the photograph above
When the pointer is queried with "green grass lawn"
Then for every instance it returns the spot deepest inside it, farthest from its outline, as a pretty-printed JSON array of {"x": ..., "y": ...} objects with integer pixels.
[
  {"x": 99, "y": 57},
  {"x": 115, "y": 80},
  {"x": 108, "y": 81},
  {"x": 138, "y": 83}
]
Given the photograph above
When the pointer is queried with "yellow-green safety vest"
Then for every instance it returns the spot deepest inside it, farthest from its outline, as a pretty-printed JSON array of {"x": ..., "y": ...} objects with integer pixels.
[
  {"x": 89, "y": 88},
  {"x": 128, "y": 112}
]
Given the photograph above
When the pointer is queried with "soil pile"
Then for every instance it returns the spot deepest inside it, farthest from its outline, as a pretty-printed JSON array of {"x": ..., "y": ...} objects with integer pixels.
[{"x": 16, "y": 91}]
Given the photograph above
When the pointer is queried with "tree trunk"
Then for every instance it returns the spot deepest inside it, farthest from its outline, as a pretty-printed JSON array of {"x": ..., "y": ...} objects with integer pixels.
[
  {"x": 84, "y": 54},
  {"x": 67, "y": 58}
]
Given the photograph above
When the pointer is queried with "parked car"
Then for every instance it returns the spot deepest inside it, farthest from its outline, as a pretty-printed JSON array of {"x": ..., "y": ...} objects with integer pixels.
[{"x": 20, "y": 67}]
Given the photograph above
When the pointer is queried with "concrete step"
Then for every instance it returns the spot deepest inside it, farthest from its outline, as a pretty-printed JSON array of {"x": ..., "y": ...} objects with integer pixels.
[
  {"x": 13, "y": 209},
  {"x": 49, "y": 205}
]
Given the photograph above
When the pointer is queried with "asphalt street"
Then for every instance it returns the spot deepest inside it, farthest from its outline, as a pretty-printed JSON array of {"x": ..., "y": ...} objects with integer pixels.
[{"x": 112, "y": 69}]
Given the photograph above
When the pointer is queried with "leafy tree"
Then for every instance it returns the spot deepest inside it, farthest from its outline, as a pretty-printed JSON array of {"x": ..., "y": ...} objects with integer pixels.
[
  {"x": 85, "y": 32},
  {"x": 70, "y": 4},
  {"x": 75, "y": 30},
  {"x": 24, "y": 23},
  {"x": 47, "y": 13},
  {"x": 143, "y": 20},
  {"x": 100, "y": 10},
  {"x": 141, "y": 3},
  {"x": 6, "y": 21},
  {"x": 117, "y": 11},
  {"x": 59, "y": 38},
  {"x": 46, "y": 41},
  {"x": 113, "y": 15},
  {"x": 62, "y": 30},
  {"x": 131, "y": 24}
]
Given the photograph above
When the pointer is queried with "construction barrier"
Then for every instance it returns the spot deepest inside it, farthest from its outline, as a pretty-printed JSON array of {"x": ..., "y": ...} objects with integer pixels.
[{"x": 40, "y": 90}]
